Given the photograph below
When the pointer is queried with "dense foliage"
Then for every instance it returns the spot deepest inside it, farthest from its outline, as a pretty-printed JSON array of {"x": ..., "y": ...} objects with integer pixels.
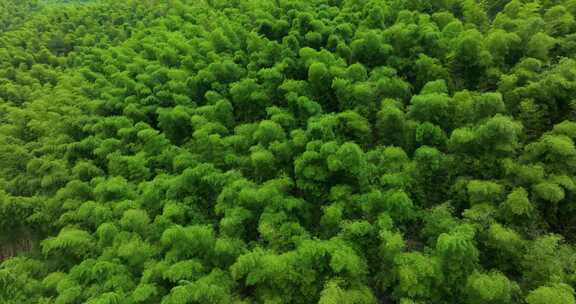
[{"x": 288, "y": 151}]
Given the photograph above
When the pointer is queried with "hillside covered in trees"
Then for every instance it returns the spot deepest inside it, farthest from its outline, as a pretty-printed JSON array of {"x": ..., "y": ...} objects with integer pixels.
[{"x": 288, "y": 151}]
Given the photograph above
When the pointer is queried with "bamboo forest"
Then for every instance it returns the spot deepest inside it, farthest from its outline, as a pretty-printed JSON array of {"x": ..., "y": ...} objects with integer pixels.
[{"x": 287, "y": 151}]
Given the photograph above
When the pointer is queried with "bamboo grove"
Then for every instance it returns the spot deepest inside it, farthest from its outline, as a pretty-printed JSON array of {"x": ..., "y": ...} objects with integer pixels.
[{"x": 288, "y": 151}]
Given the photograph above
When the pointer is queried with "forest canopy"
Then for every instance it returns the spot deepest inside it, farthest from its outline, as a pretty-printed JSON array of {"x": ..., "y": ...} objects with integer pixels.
[{"x": 288, "y": 151}]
